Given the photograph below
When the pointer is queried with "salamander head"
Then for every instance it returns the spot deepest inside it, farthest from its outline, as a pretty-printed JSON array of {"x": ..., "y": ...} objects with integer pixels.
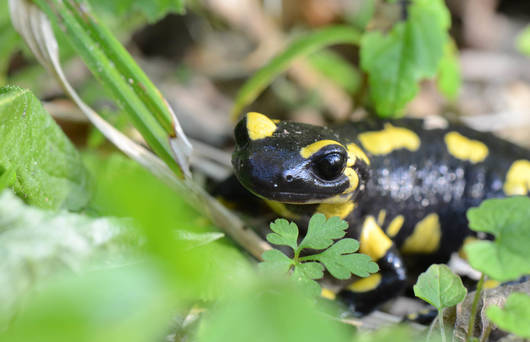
[{"x": 295, "y": 163}]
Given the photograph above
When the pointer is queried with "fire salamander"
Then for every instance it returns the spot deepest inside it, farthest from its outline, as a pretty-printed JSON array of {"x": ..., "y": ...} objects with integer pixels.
[{"x": 403, "y": 188}]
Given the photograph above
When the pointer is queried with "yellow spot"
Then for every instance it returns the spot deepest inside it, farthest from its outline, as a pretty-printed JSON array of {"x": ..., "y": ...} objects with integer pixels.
[
  {"x": 381, "y": 217},
  {"x": 259, "y": 126},
  {"x": 412, "y": 316},
  {"x": 366, "y": 284},
  {"x": 426, "y": 236},
  {"x": 354, "y": 152},
  {"x": 490, "y": 284},
  {"x": 395, "y": 225},
  {"x": 354, "y": 179},
  {"x": 461, "y": 252},
  {"x": 518, "y": 178},
  {"x": 337, "y": 199},
  {"x": 341, "y": 210},
  {"x": 389, "y": 139},
  {"x": 373, "y": 240},
  {"x": 281, "y": 209},
  {"x": 463, "y": 148},
  {"x": 328, "y": 294},
  {"x": 309, "y": 150}
]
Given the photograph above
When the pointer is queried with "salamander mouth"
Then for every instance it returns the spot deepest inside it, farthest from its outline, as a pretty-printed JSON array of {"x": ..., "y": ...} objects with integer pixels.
[{"x": 301, "y": 198}]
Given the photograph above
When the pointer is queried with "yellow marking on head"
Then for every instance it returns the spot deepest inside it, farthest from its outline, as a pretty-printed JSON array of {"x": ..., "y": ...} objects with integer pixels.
[
  {"x": 355, "y": 152},
  {"x": 259, "y": 126},
  {"x": 426, "y": 236},
  {"x": 366, "y": 284},
  {"x": 328, "y": 294},
  {"x": 309, "y": 150},
  {"x": 389, "y": 139},
  {"x": 518, "y": 178},
  {"x": 337, "y": 199},
  {"x": 354, "y": 179},
  {"x": 412, "y": 316},
  {"x": 373, "y": 240},
  {"x": 464, "y": 148},
  {"x": 381, "y": 217},
  {"x": 281, "y": 209},
  {"x": 491, "y": 284},
  {"x": 461, "y": 252},
  {"x": 395, "y": 225},
  {"x": 341, "y": 210}
]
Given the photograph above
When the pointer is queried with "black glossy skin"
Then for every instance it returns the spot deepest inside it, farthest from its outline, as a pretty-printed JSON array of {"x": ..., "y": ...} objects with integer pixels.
[{"x": 402, "y": 182}]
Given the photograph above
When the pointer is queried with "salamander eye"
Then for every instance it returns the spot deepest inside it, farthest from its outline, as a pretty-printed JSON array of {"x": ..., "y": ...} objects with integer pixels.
[{"x": 330, "y": 166}]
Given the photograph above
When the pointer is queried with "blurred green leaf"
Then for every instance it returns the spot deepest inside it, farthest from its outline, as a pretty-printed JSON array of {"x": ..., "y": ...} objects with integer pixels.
[
  {"x": 129, "y": 304},
  {"x": 341, "y": 260},
  {"x": 285, "y": 233},
  {"x": 322, "y": 232},
  {"x": 7, "y": 178},
  {"x": 337, "y": 69},
  {"x": 125, "y": 189},
  {"x": 523, "y": 41},
  {"x": 270, "y": 312},
  {"x": 301, "y": 47},
  {"x": 153, "y": 10},
  {"x": 36, "y": 244},
  {"x": 508, "y": 220},
  {"x": 9, "y": 40},
  {"x": 365, "y": 13},
  {"x": 48, "y": 168},
  {"x": 440, "y": 287},
  {"x": 515, "y": 315},
  {"x": 449, "y": 71},
  {"x": 411, "y": 51}
]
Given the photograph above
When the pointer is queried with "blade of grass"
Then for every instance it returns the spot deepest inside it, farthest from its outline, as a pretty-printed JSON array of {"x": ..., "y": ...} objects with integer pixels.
[
  {"x": 104, "y": 69},
  {"x": 125, "y": 64},
  {"x": 303, "y": 46}
]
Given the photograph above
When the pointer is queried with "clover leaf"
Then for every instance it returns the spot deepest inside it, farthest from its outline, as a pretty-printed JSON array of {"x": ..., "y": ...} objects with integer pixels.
[{"x": 338, "y": 258}]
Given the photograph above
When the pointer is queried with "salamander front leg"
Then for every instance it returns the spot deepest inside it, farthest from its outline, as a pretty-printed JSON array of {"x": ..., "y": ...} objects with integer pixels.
[{"x": 366, "y": 294}]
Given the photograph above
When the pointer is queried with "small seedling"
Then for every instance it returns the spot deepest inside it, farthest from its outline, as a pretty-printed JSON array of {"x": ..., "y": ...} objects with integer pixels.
[{"x": 339, "y": 258}]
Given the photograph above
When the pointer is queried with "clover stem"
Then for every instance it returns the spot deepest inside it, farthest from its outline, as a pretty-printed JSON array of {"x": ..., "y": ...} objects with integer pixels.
[{"x": 471, "y": 324}]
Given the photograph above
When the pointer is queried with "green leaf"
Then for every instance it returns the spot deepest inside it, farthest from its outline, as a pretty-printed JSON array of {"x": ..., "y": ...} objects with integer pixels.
[
  {"x": 48, "y": 168},
  {"x": 449, "y": 72},
  {"x": 508, "y": 220},
  {"x": 36, "y": 244},
  {"x": 301, "y": 47},
  {"x": 153, "y": 10},
  {"x": 515, "y": 315},
  {"x": 439, "y": 287},
  {"x": 341, "y": 261},
  {"x": 7, "y": 178},
  {"x": 322, "y": 232},
  {"x": 523, "y": 41},
  {"x": 337, "y": 69},
  {"x": 275, "y": 261},
  {"x": 396, "y": 62},
  {"x": 285, "y": 233},
  {"x": 305, "y": 273}
]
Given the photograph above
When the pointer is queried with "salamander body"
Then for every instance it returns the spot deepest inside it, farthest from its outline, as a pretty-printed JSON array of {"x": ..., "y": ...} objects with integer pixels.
[{"x": 403, "y": 187}]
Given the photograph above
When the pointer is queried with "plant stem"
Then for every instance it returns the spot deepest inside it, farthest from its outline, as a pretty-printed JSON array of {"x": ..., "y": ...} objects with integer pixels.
[
  {"x": 441, "y": 322},
  {"x": 431, "y": 328},
  {"x": 471, "y": 324}
]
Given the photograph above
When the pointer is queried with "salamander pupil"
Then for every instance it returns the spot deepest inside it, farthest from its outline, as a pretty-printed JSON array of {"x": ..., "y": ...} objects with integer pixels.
[{"x": 330, "y": 166}]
